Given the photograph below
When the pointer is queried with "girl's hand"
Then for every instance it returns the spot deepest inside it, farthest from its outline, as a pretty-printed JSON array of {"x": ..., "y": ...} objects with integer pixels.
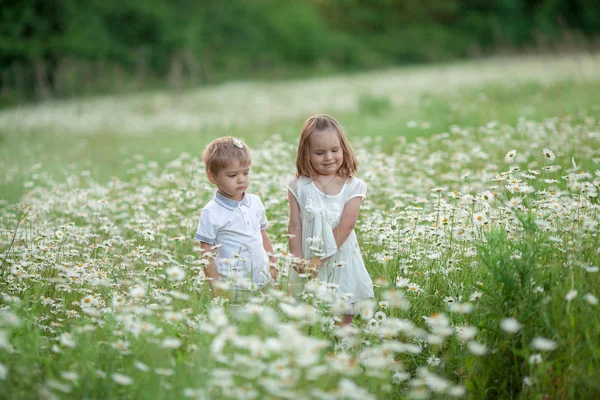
[{"x": 314, "y": 266}]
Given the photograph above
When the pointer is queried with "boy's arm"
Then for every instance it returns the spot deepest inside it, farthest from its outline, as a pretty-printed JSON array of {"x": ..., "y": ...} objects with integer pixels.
[
  {"x": 269, "y": 249},
  {"x": 210, "y": 271},
  {"x": 294, "y": 227}
]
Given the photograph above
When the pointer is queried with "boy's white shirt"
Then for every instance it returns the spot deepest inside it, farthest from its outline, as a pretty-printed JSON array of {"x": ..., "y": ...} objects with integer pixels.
[{"x": 236, "y": 227}]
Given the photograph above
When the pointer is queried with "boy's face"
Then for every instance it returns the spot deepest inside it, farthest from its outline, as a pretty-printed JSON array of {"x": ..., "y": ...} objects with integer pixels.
[{"x": 232, "y": 181}]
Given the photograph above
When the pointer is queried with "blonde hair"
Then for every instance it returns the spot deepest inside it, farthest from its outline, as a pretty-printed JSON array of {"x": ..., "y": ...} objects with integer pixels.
[
  {"x": 221, "y": 152},
  {"x": 318, "y": 123}
]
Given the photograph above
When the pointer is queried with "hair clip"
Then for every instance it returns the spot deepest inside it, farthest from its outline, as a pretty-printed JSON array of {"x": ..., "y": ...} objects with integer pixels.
[{"x": 238, "y": 143}]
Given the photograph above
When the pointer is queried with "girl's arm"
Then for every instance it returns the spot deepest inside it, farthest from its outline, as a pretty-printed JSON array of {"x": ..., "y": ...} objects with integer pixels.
[
  {"x": 269, "y": 249},
  {"x": 210, "y": 271},
  {"x": 295, "y": 227},
  {"x": 347, "y": 221}
]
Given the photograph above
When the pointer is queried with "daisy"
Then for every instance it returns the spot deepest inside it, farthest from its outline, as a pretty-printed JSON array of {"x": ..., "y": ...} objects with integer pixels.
[
  {"x": 571, "y": 295},
  {"x": 122, "y": 379},
  {"x": 510, "y": 156},
  {"x": 549, "y": 155},
  {"x": 590, "y": 299},
  {"x": 510, "y": 325},
  {"x": 543, "y": 344}
]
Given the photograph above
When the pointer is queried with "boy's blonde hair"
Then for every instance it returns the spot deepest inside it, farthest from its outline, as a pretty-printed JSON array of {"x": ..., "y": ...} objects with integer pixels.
[
  {"x": 317, "y": 123},
  {"x": 222, "y": 151}
]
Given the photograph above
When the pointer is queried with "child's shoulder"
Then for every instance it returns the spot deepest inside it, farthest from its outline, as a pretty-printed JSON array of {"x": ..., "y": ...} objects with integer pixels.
[
  {"x": 355, "y": 181},
  {"x": 254, "y": 198},
  {"x": 299, "y": 181}
]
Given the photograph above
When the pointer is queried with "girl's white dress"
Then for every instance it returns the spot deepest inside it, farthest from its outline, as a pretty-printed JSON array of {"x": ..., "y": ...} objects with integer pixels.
[{"x": 319, "y": 214}]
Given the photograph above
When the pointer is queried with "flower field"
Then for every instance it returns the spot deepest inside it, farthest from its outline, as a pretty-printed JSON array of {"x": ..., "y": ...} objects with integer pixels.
[{"x": 482, "y": 242}]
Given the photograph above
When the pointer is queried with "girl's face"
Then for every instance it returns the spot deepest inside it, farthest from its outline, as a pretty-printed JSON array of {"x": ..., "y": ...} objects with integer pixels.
[{"x": 326, "y": 155}]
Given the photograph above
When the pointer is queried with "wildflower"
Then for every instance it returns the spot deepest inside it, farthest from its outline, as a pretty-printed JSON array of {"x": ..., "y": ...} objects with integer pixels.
[
  {"x": 510, "y": 325},
  {"x": 171, "y": 343},
  {"x": 434, "y": 361},
  {"x": 399, "y": 377},
  {"x": 510, "y": 156},
  {"x": 3, "y": 372},
  {"x": 466, "y": 333},
  {"x": 402, "y": 282},
  {"x": 380, "y": 316},
  {"x": 475, "y": 296},
  {"x": 461, "y": 308},
  {"x": 543, "y": 344},
  {"x": 137, "y": 292},
  {"x": 9, "y": 318},
  {"x": 66, "y": 339},
  {"x": 480, "y": 219},
  {"x": 515, "y": 201},
  {"x": 69, "y": 376},
  {"x": 141, "y": 366},
  {"x": 477, "y": 348},
  {"x": 590, "y": 268},
  {"x": 175, "y": 273},
  {"x": 384, "y": 304},
  {"x": 571, "y": 295},
  {"x": 590, "y": 299},
  {"x": 535, "y": 358},
  {"x": 549, "y": 155},
  {"x": 122, "y": 379}
]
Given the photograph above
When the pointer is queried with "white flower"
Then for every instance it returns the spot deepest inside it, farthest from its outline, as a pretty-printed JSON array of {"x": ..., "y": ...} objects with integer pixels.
[
  {"x": 477, "y": 348},
  {"x": 510, "y": 325},
  {"x": 122, "y": 379},
  {"x": 571, "y": 295},
  {"x": 141, "y": 366},
  {"x": 69, "y": 376},
  {"x": 9, "y": 318},
  {"x": 399, "y": 377},
  {"x": 548, "y": 154},
  {"x": 66, "y": 339},
  {"x": 238, "y": 143},
  {"x": 175, "y": 273},
  {"x": 171, "y": 343},
  {"x": 3, "y": 372},
  {"x": 137, "y": 292},
  {"x": 591, "y": 268},
  {"x": 543, "y": 344},
  {"x": 535, "y": 358},
  {"x": 510, "y": 156},
  {"x": 515, "y": 201},
  {"x": 461, "y": 308},
  {"x": 480, "y": 219},
  {"x": 590, "y": 299},
  {"x": 466, "y": 333}
]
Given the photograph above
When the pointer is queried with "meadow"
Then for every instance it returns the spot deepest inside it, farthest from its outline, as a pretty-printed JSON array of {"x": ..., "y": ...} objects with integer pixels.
[{"x": 479, "y": 230}]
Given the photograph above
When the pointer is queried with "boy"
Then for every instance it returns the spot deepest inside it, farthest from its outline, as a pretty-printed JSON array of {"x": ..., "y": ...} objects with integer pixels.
[{"x": 233, "y": 223}]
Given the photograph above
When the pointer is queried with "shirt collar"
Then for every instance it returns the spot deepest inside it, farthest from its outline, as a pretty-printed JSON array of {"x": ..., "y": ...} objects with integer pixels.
[{"x": 231, "y": 204}]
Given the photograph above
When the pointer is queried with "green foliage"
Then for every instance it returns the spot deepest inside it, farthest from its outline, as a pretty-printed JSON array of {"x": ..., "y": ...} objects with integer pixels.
[{"x": 73, "y": 47}]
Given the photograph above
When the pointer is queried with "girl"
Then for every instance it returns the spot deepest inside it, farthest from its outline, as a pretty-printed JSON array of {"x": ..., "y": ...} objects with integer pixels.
[{"x": 324, "y": 201}]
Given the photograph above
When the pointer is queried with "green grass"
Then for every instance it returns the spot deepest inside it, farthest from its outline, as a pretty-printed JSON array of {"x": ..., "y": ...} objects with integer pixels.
[
  {"x": 103, "y": 153},
  {"x": 99, "y": 236}
]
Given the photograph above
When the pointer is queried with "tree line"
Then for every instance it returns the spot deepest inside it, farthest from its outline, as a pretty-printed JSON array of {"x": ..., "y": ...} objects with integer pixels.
[{"x": 61, "y": 48}]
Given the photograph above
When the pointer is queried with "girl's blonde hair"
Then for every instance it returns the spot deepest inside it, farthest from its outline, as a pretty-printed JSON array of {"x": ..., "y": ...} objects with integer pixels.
[
  {"x": 317, "y": 123},
  {"x": 221, "y": 152}
]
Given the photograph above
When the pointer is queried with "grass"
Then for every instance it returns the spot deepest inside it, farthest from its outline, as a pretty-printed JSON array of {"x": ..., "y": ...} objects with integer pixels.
[
  {"x": 457, "y": 239},
  {"x": 102, "y": 153}
]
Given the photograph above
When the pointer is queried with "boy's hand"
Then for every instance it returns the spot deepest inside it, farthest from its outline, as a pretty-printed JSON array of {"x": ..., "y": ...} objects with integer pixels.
[{"x": 274, "y": 273}]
